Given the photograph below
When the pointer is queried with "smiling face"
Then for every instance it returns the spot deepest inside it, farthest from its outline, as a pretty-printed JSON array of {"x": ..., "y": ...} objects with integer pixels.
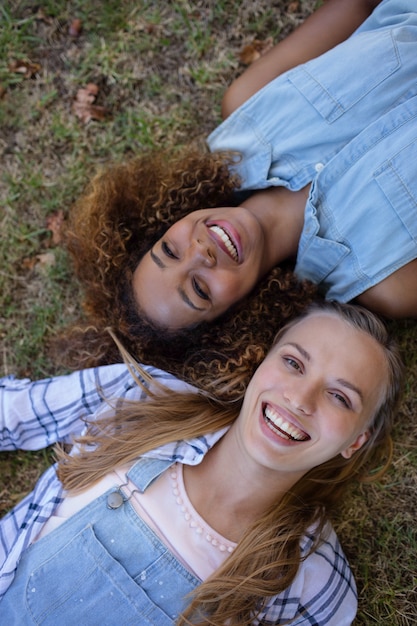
[
  {"x": 313, "y": 397},
  {"x": 204, "y": 263}
]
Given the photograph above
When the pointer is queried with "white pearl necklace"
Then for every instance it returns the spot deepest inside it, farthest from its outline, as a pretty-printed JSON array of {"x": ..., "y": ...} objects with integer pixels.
[{"x": 178, "y": 490}]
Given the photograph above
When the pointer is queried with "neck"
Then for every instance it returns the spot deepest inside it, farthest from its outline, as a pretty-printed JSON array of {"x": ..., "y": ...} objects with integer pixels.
[
  {"x": 230, "y": 493},
  {"x": 281, "y": 215}
]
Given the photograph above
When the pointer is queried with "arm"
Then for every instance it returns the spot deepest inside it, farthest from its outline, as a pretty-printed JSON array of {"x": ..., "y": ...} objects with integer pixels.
[
  {"x": 395, "y": 296},
  {"x": 34, "y": 415},
  {"x": 331, "y": 24}
]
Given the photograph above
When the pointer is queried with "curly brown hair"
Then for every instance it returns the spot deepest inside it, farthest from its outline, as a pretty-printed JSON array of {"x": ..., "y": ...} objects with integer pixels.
[{"x": 125, "y": 210}]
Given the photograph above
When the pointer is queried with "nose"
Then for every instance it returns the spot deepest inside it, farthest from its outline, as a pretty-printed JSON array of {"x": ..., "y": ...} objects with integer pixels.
[
  {"x": 203, "y": 252},
  {"x": 301, "y": 397}
]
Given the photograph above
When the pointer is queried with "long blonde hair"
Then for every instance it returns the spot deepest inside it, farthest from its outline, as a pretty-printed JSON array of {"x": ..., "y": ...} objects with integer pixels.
[{"x": 267, "y": 558}]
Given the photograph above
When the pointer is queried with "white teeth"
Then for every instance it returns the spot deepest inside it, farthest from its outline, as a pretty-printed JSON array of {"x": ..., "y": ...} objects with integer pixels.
[
  {"x": 285, "y": 427},
  {"x": 226, "y": 240}
]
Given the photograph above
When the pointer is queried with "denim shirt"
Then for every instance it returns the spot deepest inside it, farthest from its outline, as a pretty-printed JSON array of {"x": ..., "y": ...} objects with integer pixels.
[{"x": 346, "y": 123}]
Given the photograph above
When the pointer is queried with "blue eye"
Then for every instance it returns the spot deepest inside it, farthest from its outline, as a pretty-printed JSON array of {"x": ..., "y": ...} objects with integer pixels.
[
  {"x": 167, "y": 250},
  {"x": 199, "y": 291},
  {"x": 292, "y": 363}
]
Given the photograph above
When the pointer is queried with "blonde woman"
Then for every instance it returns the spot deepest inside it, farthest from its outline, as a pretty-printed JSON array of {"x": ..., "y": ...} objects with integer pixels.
[{"x": 186, "y": 510}]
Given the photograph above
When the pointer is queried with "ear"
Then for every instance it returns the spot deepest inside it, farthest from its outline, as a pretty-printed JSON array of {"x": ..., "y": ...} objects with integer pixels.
[{"x": 358, "y": 443}]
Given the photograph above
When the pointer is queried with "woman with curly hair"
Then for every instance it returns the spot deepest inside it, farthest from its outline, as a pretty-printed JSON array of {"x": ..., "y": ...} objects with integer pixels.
[
  {"x": 187, "y": 510},
  {"x": 160, "y": 260},
  {"x": 332, "y": 145},
  {"x": 126, "y": 211}
]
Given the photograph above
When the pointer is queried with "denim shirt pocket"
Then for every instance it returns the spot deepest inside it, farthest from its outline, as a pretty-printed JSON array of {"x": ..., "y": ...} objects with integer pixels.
[
  {"x": 317, "y": 256},
  {"x": 335, "y": 86},
  {"x": 398, "y": 181}
]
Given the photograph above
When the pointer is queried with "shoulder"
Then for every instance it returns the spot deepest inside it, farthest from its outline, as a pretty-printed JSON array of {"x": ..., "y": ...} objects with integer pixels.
[{"x": 323, "y": 590}]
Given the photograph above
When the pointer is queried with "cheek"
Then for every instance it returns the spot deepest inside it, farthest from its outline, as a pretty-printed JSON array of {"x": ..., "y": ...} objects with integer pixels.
[
  {"x": 231, "y": 286},
  {"x": 342, "y": 432}
]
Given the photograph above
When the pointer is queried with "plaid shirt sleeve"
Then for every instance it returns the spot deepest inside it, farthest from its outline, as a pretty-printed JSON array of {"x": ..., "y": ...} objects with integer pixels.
[
  {"x": 323, "y": 592},
  {"x": 36, "y": 414}
]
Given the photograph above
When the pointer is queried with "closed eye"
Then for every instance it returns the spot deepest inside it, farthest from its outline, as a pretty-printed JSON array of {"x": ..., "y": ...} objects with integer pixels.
[
  {"x": 198, "y": 290},
  {"x": 167, "y": 250}
]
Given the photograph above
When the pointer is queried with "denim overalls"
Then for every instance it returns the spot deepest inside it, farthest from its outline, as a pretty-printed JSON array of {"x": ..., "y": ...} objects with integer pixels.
[{"x": 101, "y": 566}]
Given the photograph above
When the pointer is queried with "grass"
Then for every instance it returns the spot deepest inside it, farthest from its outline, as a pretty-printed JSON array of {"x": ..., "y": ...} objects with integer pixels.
[{"x": 161, "y": 69}]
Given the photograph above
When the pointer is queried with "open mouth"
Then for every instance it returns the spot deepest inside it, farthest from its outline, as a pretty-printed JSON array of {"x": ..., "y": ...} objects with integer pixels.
[
  {"x": 281, "y": 427},
  {"x": 227, "y": 240}
]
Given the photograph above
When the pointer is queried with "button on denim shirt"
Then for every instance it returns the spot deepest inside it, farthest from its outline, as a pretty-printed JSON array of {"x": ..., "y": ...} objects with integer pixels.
[{"x": 346, "y": 122}]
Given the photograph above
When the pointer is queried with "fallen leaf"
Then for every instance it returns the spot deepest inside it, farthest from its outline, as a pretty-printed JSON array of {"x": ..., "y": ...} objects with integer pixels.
[
  {"x": 39, "y": 261},
  {"x": 142, "y": 25},
  {"x": 87, "y": 94},
  {"x": 42, "y": 17},
  {"x": 54, "y": 224},
  {"x": 28, "y": 263},
  {"x": 151, "y": 28},
  {"x": 254, "y": 50},
  {"x": 27, "y": 68},
  {"x": 97, "y": 112},
  {"x": 87, "y": 112},
  {"x": 92, "y": 88},
  {"x": 83, "y": 106},
  {"x": 45, "y": 260},
  {"x": 75, "y": 28},
  {"x": 84, "y": 97},
  {"x": 293, "y": 7},
  {"x": 2, "y": 92}
]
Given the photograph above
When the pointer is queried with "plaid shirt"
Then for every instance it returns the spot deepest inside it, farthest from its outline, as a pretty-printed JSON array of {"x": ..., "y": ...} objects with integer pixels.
[{"x": 34, "y": 415}]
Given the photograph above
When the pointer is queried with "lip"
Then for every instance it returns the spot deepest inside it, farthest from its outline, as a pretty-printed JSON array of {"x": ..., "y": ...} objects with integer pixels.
[
  {"x": 233, "y": 235},
  {"x": 287, "y": 417}
]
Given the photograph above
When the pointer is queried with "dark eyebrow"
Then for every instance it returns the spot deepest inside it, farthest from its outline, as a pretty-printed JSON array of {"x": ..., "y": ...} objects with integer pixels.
[
  {"x": 187, "y": 300},
  {"x": 157, "y": 260},
  {"x": 342, "y": 381},
  {"x": 301, "y": 350}
]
